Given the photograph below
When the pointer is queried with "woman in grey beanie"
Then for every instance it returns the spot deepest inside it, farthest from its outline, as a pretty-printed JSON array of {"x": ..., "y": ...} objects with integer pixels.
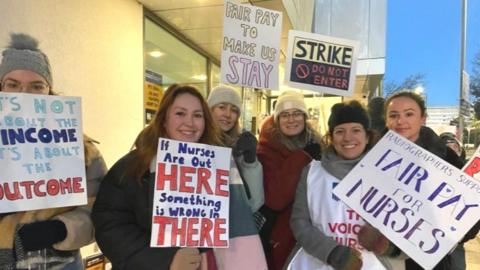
[
  {"x": 23, "y": 59},
  {"x": 44, "y": 238}
]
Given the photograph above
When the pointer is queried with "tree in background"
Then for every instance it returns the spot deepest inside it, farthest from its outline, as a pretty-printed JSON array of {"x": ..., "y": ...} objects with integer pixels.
[
  {"x": 410, "y": 83},
  {"x": 475, "y": 84}
]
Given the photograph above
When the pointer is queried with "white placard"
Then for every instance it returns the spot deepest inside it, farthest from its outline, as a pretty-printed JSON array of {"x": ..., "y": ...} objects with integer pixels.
[
  {"x": 41, "y": 152},
  {"x": 191, "y": 197},
  {"x": 417, "y": 200},
  {"x": 251, "y": 46}
]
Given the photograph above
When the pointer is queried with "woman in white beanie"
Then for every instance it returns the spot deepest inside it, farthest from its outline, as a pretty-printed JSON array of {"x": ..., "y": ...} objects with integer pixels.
[
  {"x": 287, "y": 144},
  {"x": 44, "y": 238},
  {"x": 225, "y": 104}
]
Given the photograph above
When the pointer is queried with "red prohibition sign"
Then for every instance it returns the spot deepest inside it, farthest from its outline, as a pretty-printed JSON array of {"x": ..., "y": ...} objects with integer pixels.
[{"x": 302, "y": 71}]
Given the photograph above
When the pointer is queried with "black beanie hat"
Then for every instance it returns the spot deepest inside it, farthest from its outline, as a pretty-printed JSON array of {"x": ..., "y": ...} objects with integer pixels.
[{"x": 350, "y": 112}]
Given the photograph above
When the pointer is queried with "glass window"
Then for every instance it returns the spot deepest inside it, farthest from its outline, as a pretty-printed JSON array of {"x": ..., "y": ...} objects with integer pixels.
[
  {"x": 214, "y": 76},
  {"x": 175, "y": 61}
]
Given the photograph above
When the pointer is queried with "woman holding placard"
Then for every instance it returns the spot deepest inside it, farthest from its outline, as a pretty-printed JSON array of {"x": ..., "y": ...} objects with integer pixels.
[
  {"x": 325, "y": 227},
  {"x": 45, "y": 238},
  {"x": 122, "y": 213},
  {"x": 405, "y": 113},
  {"x": 287, "y": 144},
  {"x": 225, "y": 104}
]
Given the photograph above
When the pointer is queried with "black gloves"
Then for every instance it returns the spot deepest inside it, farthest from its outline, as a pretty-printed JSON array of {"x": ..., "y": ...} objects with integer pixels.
[
  {"x": 42, "y": 234},
  {"x": 345, "y": 258},
  {"x": 313, "y": 149},
  {"x": 247, "y": 146}
]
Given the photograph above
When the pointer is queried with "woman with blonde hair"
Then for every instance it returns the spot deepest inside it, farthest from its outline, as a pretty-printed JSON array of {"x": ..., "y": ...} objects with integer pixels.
[{"x": 225, "y": 104}]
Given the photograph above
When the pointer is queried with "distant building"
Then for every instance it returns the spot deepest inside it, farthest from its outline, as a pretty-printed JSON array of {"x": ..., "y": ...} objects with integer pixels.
[
  {"x": 441, "y": 115},
  {"x": 444, "y": 119}
]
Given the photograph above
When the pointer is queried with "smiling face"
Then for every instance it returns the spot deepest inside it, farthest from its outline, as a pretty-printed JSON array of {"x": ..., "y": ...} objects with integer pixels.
[
  {"x": 404, "y": 116},
  {"x": 349, "y": 140},
  {"x": 225, "y": 115},
  {"x": 291, "y": 122},
  {"x": 185, "y": 119}
]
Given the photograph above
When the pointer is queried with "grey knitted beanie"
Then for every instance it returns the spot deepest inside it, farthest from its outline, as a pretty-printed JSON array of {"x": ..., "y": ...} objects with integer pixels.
[{"x": 23, "y": 53}]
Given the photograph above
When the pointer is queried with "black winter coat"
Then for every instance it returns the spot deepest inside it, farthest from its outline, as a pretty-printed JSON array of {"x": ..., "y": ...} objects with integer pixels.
[{"x": 122, "y": 217}]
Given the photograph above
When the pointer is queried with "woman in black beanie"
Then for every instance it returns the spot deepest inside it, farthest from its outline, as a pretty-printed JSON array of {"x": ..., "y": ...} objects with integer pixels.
[{"x": 316, "y": 208}]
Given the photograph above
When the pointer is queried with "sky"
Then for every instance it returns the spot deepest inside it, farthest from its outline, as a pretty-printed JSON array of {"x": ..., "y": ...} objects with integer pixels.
[{"x": 424, "y": 37}]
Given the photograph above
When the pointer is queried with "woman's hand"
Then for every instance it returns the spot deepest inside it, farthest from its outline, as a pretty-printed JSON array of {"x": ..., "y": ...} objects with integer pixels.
[
  {"x": 345, "y": 258},
  {"x": 186, "y": 259}
]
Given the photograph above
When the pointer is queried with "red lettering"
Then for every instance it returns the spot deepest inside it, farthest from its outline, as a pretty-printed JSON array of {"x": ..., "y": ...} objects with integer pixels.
[
  {"x": 205, "y": 239},
  {"x": 353, "y": 215},
  {"x": 28, "y": 188},
  {"x": 162, "y": 177},
  {"x": 184, "y": 179},
  {"x": 473, "y": 167},
  {"x": 356, "y": 228},
  {"x": 332, "y": 227},
  {"x": 40, "y": 188},
  {"x": 221, "y": 181},
  {"x": 331, "y": 71},
  {"x": 186, "y": 231},
  {"x": 342, "y": 228},
  {"x": 178, "y": 232},
  {"x": 161, "y": 221},
  {"x": 192, "y": 232},
  {"x": 202, "y": 180},
  {"x": 12, "y": 196},
  {"x": 53, "y": 187},
  {"x": 36, "y": 189},
  {"x": 65, "y": 185},
  {"x": 77, "y": 185},
  {"x": 219, "y": 231}
]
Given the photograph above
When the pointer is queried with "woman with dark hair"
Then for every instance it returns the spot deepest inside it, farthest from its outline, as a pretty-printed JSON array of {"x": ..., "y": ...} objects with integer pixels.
[
  {"x": 405, "y": 113},
  {"x": 349, "y": 137},
  {"x": 287, "y": 144},
  {"x": 122, "y": 213}
]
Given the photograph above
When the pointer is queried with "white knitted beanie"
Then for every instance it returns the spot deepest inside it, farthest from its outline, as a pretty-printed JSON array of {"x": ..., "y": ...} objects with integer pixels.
[
  {"x": 289, "y": 100},
  {"x": 224, "y": 94}
]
